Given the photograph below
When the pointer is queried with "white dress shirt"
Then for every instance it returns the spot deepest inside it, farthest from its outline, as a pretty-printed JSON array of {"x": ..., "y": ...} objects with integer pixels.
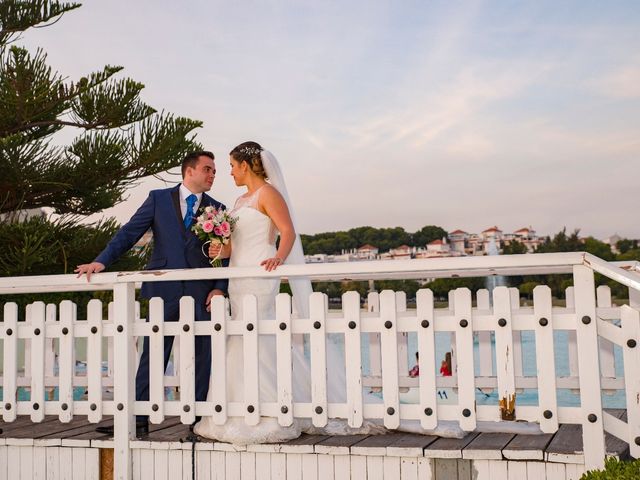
[{"x": 184, "y": 193}]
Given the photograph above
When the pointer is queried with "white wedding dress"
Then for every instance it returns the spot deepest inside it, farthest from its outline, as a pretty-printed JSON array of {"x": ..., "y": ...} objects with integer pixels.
[{"x": 253, "y": 240}]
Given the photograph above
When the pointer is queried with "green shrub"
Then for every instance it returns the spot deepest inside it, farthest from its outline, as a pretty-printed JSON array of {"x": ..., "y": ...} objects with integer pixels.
[{"x": 615, "y": 469}]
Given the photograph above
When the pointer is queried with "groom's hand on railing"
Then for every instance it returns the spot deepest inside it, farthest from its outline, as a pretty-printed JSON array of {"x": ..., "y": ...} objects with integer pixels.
[
  {"x": 88, "y": 269},
  {"x": 213, "y": 292}
]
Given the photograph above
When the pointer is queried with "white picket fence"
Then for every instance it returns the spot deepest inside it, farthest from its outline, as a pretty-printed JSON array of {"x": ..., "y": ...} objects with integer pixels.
[{"x": 51, "y": 334}]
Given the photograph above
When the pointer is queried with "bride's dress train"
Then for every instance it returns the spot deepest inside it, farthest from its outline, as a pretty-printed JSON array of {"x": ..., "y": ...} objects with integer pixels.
[{"x": 253, "y": 240}]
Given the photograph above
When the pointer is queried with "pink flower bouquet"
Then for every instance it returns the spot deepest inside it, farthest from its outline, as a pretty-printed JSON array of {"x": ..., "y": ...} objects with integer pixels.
[{"x": 213, "y": 226}]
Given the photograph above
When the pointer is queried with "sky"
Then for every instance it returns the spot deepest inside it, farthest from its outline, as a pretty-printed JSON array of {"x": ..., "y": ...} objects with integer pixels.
[{"x": 408, "y": 113}]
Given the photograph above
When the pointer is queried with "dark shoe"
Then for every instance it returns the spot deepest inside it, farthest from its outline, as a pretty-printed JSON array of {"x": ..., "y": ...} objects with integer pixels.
[{"x": 141, "y": 429}]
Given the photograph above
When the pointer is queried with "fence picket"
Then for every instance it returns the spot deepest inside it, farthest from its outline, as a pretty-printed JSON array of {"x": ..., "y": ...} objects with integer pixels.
[
  {"x": 10, "y": 365},
  {"x": 284, "y": 359},
  {"x": 465, "y": 370},
  {"x": 353, "y": 358},
  {"x": 389, "y": 343},
  {"x": 545, "y": 359},
  {"x": 427, "y": 360},
  {"x": 631, "y": 356},
  {"x": 571, "y": 336},
  {"x": 66, "y": 361},
  {"x": 251, "y": 353},
  {"x": 505, "y": 352},
  {"x": 403, "y": 337},
  {"x": 218, "y": 383},
  {"x": 156, "y": 360},
  {"x": 607, "y": 359},
  {"x": 37, "y": 320},
  {"x": 375, "y": 358},
  {"x": 50, "y": 353},
  {"x": 318, "y": 359},
  {"x": 484, "y": 340},
  {"x": 588, "y": 366},
  {"x": 187, "y": 360}
]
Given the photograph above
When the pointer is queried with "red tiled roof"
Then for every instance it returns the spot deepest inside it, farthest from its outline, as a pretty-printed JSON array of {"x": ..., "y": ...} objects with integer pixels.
[
  {"x": 457, "y": 232},
  {"x": 523, "y": 229},
  {"x": 492, "y": 229},
  {"x": 367, "y": 247},
  {"x": 435, "y": 242}
]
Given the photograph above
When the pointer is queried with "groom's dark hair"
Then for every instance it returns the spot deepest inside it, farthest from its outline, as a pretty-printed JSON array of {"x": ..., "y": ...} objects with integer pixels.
[{"x": 191, "y": 159}]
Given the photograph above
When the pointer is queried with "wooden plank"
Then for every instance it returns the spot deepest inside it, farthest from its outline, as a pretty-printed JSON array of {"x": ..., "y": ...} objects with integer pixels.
[
  {"x": 218, "y": 385},
  {"x": 79, "y": 458},
  {"x": 545, "y": 359},
  {"x": 487, "y": 446},
  {"x": 374, "y": 444},
  {"x": 517, "y": 471},
  {"x": 389, "y": 345},
  {"x": 53, "y": 463},
  {"x": 631, "y": 357},
  {"x": 187, "y": 361},
  {"x": 3, "y": 462},
  {"x": 310, "y": 467},
  {"x": 161, "y": 464},
  {"x": 445, "y": 468},
  {"x": 10, "y": 364},
  {"x": 410, "y": 445},
  {"x": 94, "y": 360},
  {"x": 427, "y": 361},
  {"x": 555, "y": 471},
  {"x": 465, "y": 362},
  {"x": 66, "y": 359},
  {"x": 449, "y": 447},
  {"x": 465, "y": 469},
  {"x": 156, "y": 360},
  {"x": 484, "y": 340},
  {"x": 326, "y": 467},
  {"x": 574, "y": 471},
  {"x": 203, "y": 464},
  {"x": 175, "y": 465},
  {"x": 566, "y": 445},
  {"x": 303, "y": 444},
  {"x": 341, "y": 467},
  {"x": 589, "y": 367},
  {"x": 409, "y": 468},
  {"x": 425, "y": 469},
  {"x": 318, "y": 359},
  {"x": 505, "y": 352},
  {"x": 375, "y": 469},
  {"x": 294, "y": 466},
  {"x": 527, "y": 447},
  {"x": 38, "y": 315},
  {"x": 353, "y": 358},
  {"x": 284, "y": 361},
  {"x": 391, "y": 465},
  {"x": 66, "y": 463},
  {"x": 263, "y": 466},
  {"x": 92, "y": 464},
  {"x": 278, "y": 466},
  {"x": 536, "y": 470},
  {"x": 218, "y": 466},
  {"x": 248, "y": 465},
  {"x": 358, "y": 467},
  {"x": 232, "y": 464},
  {"x": 338, "y": 444}
]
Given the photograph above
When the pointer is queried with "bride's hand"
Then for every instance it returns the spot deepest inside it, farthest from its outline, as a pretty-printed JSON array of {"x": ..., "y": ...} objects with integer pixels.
[
  {"x": 215, "y": 249},
  {"x": 272, "y": 263}
]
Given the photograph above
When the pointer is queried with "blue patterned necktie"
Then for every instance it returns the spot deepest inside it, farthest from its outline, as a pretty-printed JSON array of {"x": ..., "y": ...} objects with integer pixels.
[{"x": 188, "y": 216}]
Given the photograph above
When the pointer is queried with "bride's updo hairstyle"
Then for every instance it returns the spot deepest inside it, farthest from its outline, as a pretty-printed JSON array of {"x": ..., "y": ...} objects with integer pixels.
[{"x": 249, "y": 152}]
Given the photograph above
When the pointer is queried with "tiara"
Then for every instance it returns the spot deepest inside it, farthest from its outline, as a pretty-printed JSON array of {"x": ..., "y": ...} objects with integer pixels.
[{"x": 250, "y": 151}]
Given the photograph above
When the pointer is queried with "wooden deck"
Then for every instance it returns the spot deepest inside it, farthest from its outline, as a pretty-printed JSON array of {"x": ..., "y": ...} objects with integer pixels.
[{"x": 565, "y": 446}]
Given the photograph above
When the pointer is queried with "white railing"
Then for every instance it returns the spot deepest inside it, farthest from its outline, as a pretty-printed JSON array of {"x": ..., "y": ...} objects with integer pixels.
[{"x": 589, "y": 317}]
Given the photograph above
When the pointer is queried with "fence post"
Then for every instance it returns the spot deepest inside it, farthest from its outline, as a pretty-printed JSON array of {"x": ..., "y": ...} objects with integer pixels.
[
  {"x": 124, "y": 378},
  {"x": 588, "y": 367}
]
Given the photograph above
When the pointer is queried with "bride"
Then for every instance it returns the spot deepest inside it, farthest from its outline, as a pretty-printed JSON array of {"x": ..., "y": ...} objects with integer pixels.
[{"x": 263, "y": 212}]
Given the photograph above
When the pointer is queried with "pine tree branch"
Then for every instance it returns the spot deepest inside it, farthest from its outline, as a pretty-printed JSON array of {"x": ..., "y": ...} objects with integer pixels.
[{"x": 16, "y": 16}]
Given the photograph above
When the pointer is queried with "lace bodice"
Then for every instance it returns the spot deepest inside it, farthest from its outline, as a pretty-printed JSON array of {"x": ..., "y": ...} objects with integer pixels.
[{"x": 254, "y": 230}]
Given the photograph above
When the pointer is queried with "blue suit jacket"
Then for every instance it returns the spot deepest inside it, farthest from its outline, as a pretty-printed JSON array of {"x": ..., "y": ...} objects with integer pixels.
[{"x": 174, "y": 247}]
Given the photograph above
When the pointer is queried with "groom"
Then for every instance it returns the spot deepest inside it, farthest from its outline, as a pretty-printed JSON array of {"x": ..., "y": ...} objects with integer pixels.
[{"x": 169, "y": 213}]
